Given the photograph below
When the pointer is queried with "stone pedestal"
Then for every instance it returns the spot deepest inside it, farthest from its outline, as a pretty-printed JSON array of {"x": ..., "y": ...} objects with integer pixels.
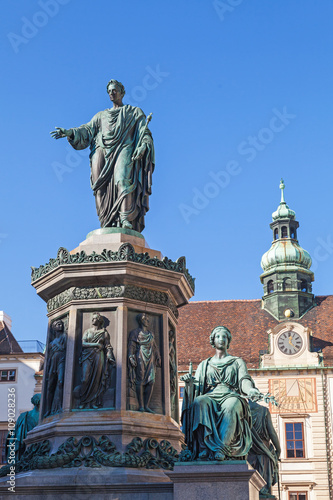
[
  {"x": 115, "y": 274},
  {"x": 215, "y": 480},
  {"x": 90, "y": 484}
]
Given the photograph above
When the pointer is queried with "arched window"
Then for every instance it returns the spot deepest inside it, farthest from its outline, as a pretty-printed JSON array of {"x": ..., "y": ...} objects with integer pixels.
[
  {"x": 284, "y": 232},
  {"x": 270, "y": 286},
  {"x": 276, "y": 233},
  {"x": 304, "y": 286},
  {"x": 293, "y": 233},
  {"x": 287, "y": 284}
]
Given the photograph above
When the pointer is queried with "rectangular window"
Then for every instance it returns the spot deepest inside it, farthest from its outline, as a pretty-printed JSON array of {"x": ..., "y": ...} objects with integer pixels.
[
  {"x": 181, "y": 392},
  {"x": 7, "y": 375},
  {"x": 295, "y": 441},
  {"x": 293, "y": 495},
  {"x": 3, "y": 435}
]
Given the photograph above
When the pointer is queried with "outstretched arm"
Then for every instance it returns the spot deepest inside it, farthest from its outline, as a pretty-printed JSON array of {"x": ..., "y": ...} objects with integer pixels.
[
  {"x": 60, "y": 132},
  {"x": 246, "y": 383},
  {"x": 80, "y": 137}
]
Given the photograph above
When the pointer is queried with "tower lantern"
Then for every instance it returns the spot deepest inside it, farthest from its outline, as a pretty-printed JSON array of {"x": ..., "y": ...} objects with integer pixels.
[{"x": 286, "y": 276}]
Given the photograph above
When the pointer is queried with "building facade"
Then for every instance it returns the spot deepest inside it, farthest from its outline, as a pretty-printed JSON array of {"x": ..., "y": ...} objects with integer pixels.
[
  {"x": 20, "y": 378},
  {"x": 286, "y": 340}
]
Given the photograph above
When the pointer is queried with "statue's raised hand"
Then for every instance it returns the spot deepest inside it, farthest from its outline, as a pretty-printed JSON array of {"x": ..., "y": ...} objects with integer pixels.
[{"x": 60, "y": 132}]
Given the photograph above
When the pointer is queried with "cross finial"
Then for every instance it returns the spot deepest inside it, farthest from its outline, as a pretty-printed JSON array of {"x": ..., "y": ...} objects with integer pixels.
[{"x": 282, "y": 186}]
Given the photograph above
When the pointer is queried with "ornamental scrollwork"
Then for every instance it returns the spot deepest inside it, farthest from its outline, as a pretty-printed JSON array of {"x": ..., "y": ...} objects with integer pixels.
[
  {"x": 91, "y": 452},
  {"x": 83, "y": 293},
  {"x": 125, "y": 252},
  {"x": 107, "y": 292}
]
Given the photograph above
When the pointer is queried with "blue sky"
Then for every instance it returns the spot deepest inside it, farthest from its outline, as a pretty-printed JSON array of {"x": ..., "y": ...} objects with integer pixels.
[{"x": 241, "y": 95}]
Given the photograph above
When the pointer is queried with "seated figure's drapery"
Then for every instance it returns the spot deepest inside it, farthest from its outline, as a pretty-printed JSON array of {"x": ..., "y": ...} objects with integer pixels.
[
  {"x": 262, "y": 455},
  {"x": 217, "y": 416}
]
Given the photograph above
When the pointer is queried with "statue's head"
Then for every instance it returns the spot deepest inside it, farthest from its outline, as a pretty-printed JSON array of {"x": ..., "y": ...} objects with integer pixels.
[
  {"x": 220, "y": 329},
  {"x": 143, "y": 319},
  {"x": 114, "y": 83},
  {"x": 35, "y": 400},
  {"x": 97, "y": 320},
  {"x": 57, "y": 325}
]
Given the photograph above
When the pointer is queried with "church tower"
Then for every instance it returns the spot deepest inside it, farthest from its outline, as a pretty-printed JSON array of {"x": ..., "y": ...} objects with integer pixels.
[{"x": 286, "y": 276}]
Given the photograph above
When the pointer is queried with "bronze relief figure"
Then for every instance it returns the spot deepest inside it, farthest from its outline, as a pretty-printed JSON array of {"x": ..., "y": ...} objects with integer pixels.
[
  {"x": 55, "y": 369},
  {"x": 96, "y": 359},
  {"x": 143, "y": 357}
]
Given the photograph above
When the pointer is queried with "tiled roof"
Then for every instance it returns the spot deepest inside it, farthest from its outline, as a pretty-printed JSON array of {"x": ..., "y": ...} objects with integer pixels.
[
  {"x": 248, "y": 324},
  {"x": 8, "y": 343}
]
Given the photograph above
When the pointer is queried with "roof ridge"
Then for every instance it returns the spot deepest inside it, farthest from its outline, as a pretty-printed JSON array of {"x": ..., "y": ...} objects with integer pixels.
[{"x": 224, "y": 300}]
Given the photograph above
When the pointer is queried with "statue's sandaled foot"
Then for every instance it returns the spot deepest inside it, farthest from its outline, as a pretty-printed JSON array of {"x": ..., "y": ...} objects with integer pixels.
[
  {"x": 148, "y": 410},
  {"x": 141, "y": 408},
  {"x": 127, "y": 225},
  {"x": 219, "y": 456},
  {"x": 203, "y": 455},
  {"x": 94, "y": 407}
]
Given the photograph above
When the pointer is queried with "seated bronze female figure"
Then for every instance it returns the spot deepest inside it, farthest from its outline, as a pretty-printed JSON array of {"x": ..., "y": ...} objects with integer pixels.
[{"x": 216, "y": 415}]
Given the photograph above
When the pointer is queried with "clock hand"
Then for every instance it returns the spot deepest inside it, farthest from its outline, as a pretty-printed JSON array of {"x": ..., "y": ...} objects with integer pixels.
[{"x": 290, "y": 342}]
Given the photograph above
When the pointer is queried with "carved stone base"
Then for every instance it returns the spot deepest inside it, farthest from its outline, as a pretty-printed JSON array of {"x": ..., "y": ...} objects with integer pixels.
[
  {"x": 120, "y": 427},
  {"x": 90, "y": 484},
  {"x": 235, "y": 480},
  {"x": 195, "y": 481}
]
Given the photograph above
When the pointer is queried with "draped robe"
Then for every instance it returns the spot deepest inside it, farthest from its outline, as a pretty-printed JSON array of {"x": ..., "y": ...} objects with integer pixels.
[
  {"x": 55, "y": 372},
  {"x": 113, "y": 135},
  {"x": 262, "y": 455},
  {"x": 94, "y": 367},
  {"x": 218, "y": 419},
  {"x": 142, "y": 346}
]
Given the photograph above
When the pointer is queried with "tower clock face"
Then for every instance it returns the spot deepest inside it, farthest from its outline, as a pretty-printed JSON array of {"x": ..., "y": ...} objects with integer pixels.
[{"x": 290, "y": 343}]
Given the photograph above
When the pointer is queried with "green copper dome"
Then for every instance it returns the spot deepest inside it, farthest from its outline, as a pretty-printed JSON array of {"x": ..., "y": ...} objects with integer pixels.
[
  {"x": 286, "y": 278},
  {"x": 285, "y": 253}
]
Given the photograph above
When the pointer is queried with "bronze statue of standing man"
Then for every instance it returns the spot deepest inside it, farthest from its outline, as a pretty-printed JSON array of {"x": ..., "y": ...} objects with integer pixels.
[{"x": 122, "y": 160}]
